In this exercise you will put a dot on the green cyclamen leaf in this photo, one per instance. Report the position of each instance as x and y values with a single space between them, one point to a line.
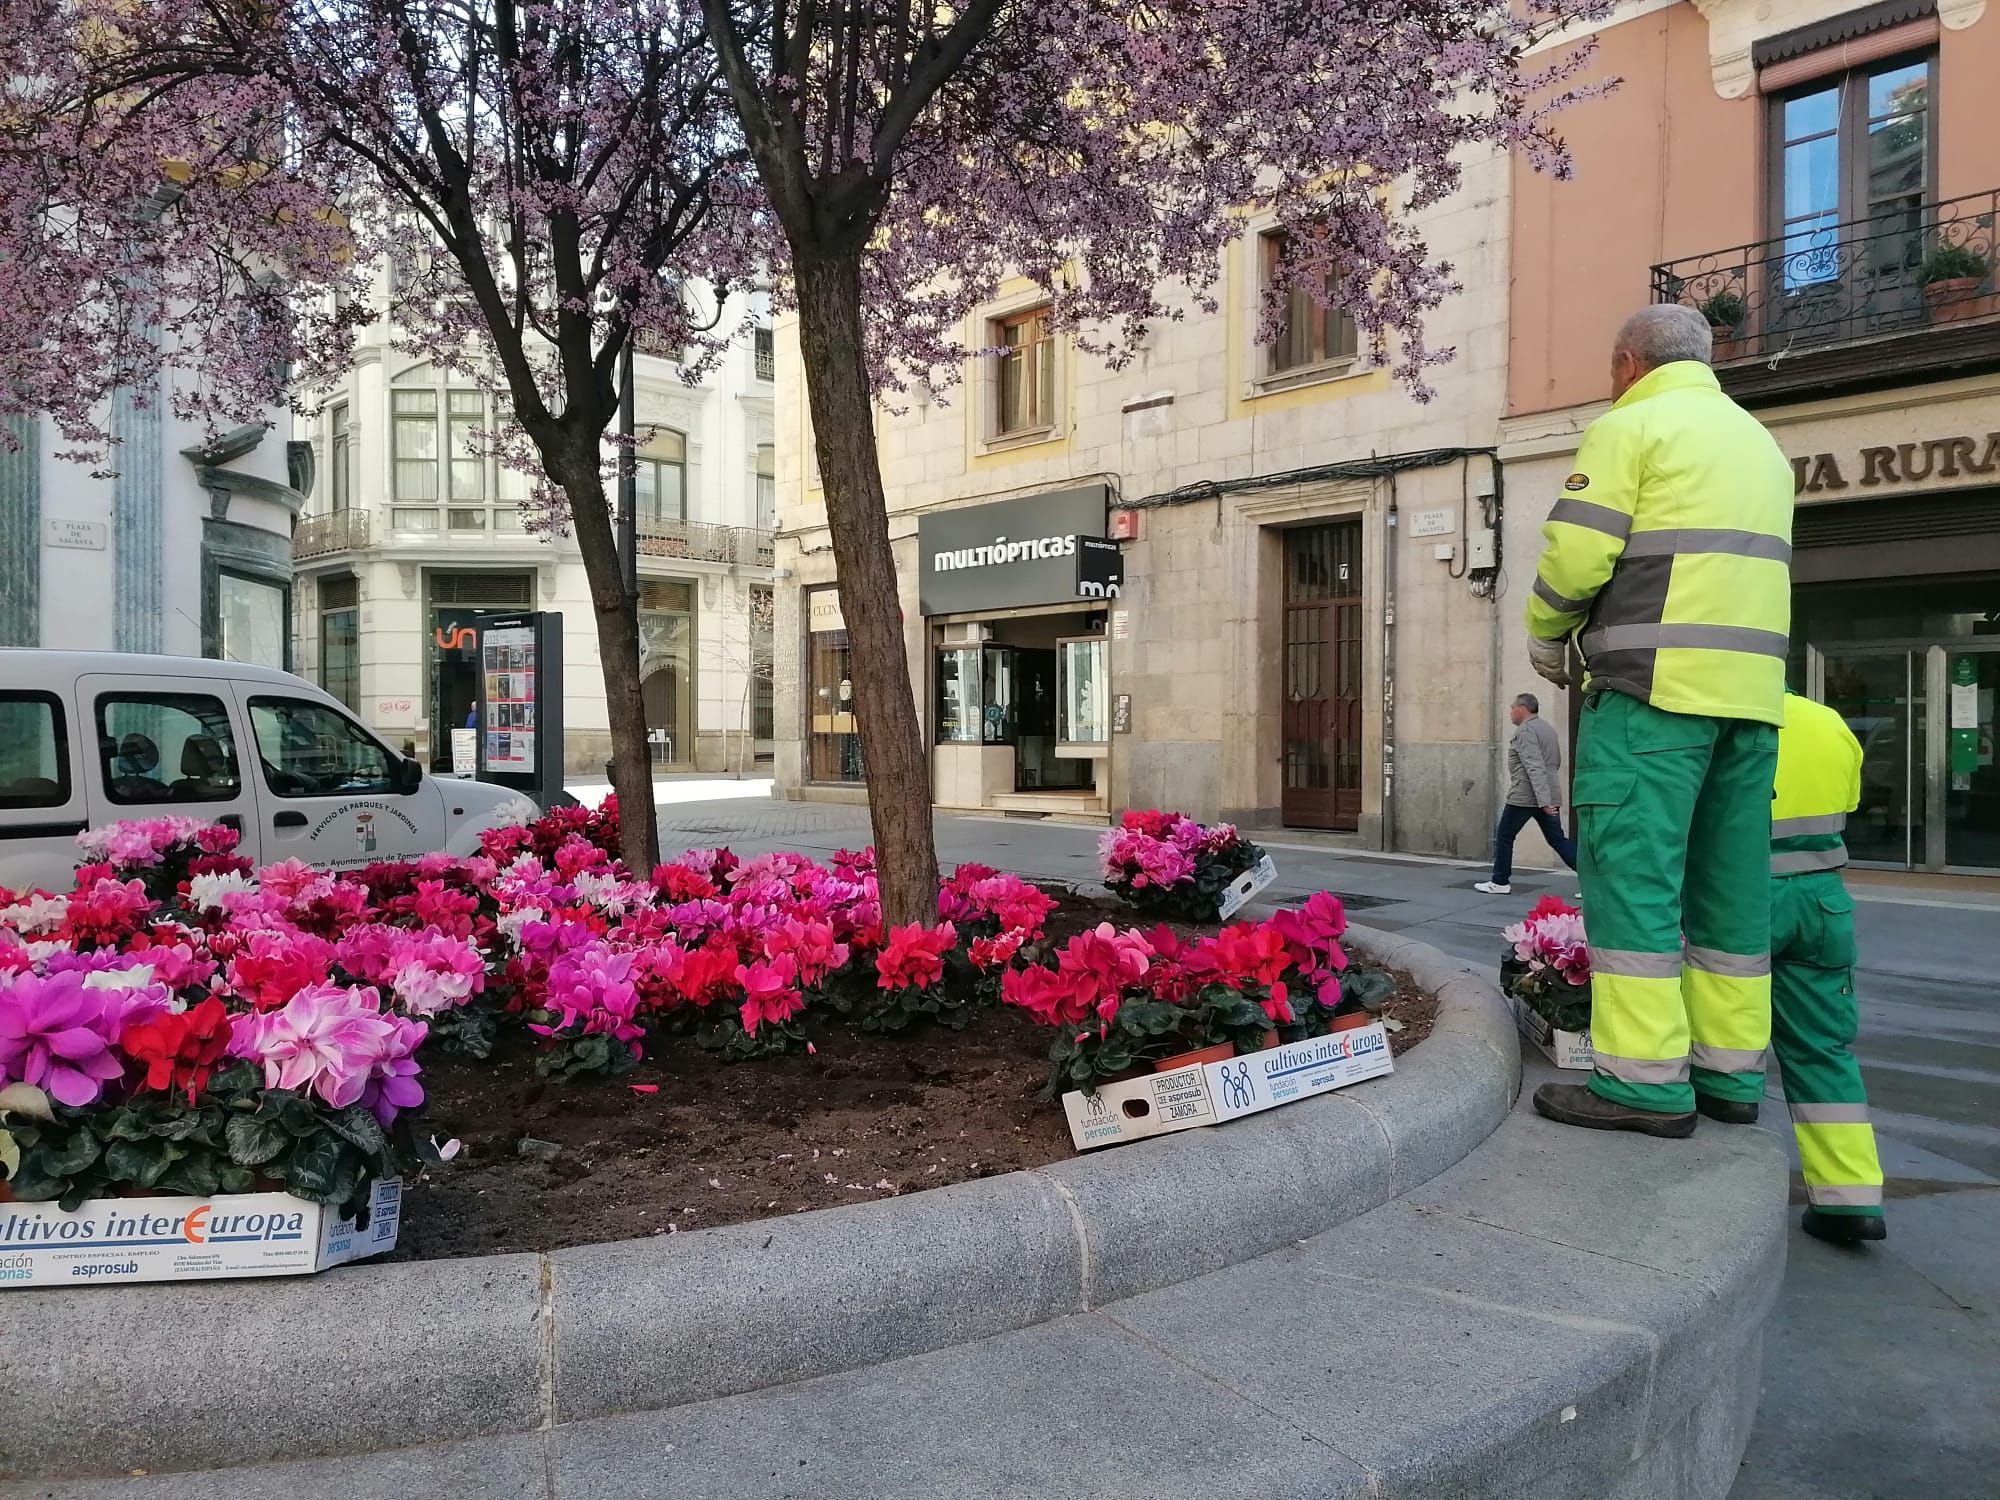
254 1140
139 1163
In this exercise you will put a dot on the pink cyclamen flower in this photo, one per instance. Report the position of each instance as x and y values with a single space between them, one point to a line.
326 1039
432 972
770 992
290 879
914 958
59 1034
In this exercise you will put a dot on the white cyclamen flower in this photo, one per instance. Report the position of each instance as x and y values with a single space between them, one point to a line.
207 891
517 812
510 923
34 915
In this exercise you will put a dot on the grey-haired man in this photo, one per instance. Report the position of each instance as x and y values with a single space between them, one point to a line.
1533 793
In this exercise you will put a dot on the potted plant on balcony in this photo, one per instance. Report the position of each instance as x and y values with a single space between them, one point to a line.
1725 311
1952 276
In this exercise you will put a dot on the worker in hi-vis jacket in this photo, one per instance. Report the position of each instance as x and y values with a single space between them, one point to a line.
1668 560
1813 1010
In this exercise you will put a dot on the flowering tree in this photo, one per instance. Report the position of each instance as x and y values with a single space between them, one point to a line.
542 175
914 154
218 184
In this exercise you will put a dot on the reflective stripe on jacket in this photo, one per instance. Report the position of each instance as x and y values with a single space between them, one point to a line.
1819 784
1671 549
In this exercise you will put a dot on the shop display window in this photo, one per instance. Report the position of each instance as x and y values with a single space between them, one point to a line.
1083 706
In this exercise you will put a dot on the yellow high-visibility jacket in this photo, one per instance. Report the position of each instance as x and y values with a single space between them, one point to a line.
1671 548
1819 784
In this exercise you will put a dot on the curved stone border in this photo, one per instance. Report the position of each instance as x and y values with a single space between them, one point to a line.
366 1358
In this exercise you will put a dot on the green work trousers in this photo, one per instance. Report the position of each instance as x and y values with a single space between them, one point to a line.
1813 1021
1674 821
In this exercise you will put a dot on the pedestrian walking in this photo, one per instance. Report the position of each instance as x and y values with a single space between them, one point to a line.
1668 558
1813 1010
1534 793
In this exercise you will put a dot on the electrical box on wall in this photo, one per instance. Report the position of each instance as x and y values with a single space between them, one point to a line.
1479 549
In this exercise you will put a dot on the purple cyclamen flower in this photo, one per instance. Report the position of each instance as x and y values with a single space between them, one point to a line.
58 1034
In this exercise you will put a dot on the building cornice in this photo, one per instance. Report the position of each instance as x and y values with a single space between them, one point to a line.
1736 26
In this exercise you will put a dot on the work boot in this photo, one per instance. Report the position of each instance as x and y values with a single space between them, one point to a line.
1843 1229
1727 1111
1575 1104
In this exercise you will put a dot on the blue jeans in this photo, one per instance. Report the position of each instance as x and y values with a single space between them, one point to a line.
1512 820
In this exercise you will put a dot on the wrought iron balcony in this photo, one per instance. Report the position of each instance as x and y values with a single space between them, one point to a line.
1906 294
699 541
320 536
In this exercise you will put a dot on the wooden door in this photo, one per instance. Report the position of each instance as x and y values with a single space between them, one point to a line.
1322 677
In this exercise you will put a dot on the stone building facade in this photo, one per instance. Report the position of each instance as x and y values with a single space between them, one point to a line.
1289 614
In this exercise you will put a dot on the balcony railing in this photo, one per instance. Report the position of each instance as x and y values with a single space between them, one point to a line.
1918 267
702 542
342 531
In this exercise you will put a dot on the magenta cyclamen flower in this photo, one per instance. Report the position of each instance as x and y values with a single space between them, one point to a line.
326 1039
598 986
58 1034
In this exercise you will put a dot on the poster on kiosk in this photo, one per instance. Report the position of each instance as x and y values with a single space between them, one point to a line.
521 702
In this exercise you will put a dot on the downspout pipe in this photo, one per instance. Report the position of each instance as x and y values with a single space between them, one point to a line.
1389 529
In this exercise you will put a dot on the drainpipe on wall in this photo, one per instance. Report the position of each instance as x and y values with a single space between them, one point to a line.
1496 776
1389 671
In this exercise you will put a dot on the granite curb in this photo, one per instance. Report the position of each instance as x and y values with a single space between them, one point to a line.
1560 1316
104 1381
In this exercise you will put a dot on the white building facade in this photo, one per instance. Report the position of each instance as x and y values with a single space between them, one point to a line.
412 532
182 545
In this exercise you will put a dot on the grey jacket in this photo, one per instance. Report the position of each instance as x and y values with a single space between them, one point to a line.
1533 759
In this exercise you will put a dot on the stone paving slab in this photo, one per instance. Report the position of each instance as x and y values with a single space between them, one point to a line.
1878 1386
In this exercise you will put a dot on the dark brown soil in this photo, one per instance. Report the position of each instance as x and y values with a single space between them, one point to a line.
863 1117
717 1143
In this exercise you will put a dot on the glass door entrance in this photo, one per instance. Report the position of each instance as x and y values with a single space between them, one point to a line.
1972 776
1881 696
1930 785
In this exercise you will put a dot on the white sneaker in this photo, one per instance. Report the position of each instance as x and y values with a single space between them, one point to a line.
1493 888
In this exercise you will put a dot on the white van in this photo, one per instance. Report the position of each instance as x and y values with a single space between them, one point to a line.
89 738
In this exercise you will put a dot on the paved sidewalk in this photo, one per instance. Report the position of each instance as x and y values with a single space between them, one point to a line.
1882 1370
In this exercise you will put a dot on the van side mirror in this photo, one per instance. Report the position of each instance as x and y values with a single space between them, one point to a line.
409 775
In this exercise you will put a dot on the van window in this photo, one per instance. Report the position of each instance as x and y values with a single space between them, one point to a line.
166 747
34 751
309 750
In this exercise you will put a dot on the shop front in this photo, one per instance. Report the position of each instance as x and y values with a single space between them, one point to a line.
1896 623
1015 597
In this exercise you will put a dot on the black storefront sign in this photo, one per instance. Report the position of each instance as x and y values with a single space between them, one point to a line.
1100 568
1041 549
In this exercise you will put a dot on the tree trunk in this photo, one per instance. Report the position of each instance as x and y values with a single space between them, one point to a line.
892 742
617 618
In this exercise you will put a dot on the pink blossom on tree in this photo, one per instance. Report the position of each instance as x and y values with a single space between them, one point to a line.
546 179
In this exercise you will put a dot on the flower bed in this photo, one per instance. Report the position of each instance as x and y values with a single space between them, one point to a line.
1165 864
183 1024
